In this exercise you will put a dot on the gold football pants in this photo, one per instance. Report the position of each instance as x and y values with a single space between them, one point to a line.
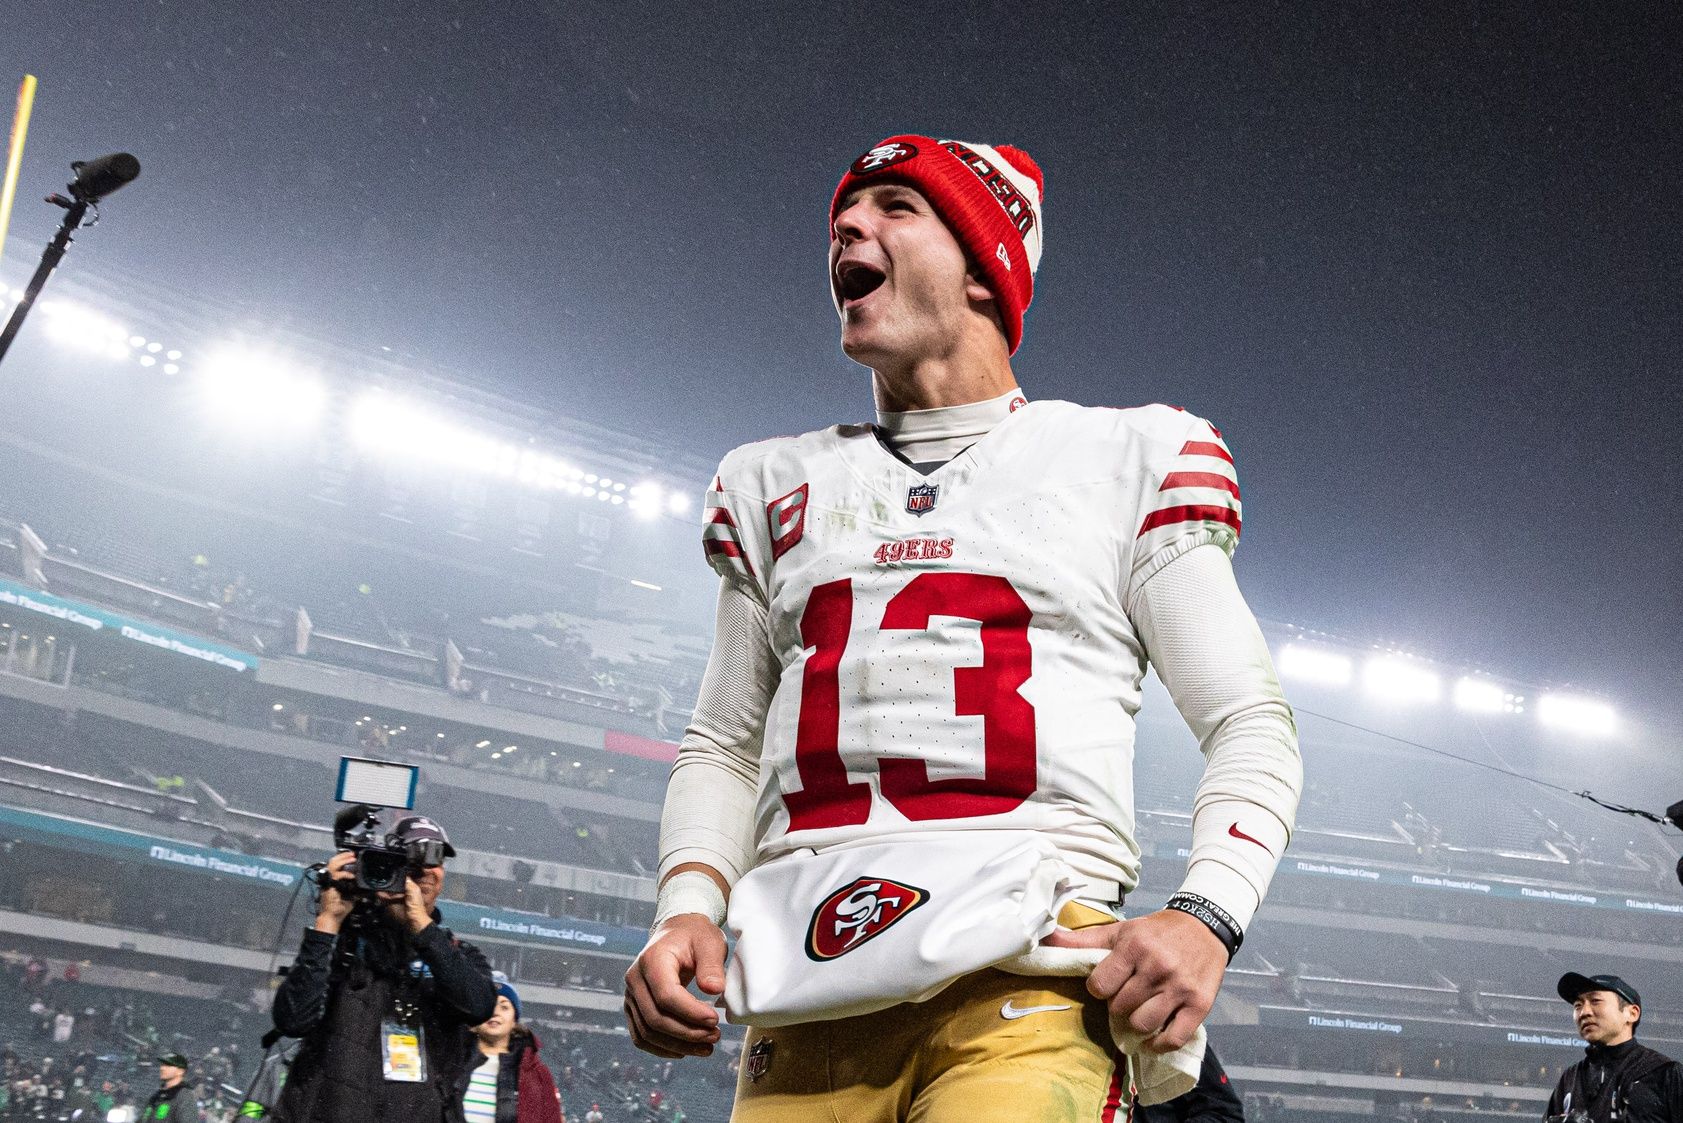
991 1048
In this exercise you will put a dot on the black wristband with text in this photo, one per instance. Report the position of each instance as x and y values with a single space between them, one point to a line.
1214 917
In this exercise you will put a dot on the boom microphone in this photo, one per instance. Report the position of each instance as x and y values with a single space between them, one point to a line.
102 175
94 180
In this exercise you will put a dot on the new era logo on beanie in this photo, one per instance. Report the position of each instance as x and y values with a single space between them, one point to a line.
988 195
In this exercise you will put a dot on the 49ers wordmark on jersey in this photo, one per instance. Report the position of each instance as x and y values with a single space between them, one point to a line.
859 911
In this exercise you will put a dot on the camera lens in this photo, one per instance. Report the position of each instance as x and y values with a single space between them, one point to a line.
381 871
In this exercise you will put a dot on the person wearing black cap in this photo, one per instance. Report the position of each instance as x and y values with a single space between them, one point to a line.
380 993
1617 1079
173 1101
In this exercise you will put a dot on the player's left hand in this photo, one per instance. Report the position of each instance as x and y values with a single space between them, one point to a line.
1161 976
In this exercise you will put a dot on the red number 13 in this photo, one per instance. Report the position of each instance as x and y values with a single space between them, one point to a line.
827 798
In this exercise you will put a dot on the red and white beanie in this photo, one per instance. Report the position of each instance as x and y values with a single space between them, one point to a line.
988 195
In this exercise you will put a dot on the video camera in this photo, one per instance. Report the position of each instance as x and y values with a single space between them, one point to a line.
383 861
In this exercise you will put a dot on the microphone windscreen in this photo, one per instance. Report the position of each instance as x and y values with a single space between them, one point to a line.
102 175
349 818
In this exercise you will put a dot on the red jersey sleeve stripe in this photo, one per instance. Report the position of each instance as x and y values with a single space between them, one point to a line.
1199 479
1206 448
722 516
714 547
1168 516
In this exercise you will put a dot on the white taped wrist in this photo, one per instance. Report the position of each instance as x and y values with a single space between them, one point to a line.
690 891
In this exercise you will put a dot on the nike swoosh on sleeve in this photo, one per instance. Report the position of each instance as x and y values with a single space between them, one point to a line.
1237 833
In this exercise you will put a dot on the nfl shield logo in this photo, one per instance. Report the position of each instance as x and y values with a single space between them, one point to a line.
920 499
759 1058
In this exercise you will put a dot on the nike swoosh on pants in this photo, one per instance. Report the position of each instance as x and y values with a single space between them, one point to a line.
1011 1013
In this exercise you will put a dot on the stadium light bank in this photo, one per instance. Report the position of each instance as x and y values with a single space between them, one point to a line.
396 427
254 386
1397 680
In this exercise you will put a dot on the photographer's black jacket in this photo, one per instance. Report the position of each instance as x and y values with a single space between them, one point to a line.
1628 1082
337 994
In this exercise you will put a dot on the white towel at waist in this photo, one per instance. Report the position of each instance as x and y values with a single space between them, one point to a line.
1157 1077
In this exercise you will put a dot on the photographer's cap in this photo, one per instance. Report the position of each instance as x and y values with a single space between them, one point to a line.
1573 984
419 828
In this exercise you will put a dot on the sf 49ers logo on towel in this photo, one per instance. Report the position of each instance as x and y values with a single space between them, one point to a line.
884 156
859 911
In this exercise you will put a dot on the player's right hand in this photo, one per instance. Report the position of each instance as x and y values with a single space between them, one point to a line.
664 1017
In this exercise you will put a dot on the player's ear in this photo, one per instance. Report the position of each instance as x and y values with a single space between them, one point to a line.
981 300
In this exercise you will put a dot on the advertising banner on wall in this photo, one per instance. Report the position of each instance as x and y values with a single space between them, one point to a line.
470 921
1370 1027
78 615
1460 884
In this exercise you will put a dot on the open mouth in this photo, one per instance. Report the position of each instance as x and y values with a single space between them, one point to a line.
855 280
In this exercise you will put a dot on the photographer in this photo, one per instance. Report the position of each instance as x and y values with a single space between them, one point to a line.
1617 1079
380 993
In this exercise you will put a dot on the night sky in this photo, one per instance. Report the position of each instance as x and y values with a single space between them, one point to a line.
1421 263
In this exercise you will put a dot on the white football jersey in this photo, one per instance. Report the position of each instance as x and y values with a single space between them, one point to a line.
956 649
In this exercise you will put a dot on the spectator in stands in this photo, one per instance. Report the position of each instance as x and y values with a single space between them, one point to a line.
506 1081
174 1100
1617 1079
380 993
1210 1101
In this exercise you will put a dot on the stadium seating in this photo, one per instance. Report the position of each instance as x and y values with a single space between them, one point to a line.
1366 947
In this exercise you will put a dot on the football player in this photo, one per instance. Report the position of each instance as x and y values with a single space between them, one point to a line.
942 622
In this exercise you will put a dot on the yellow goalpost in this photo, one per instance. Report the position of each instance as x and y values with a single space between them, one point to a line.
14 154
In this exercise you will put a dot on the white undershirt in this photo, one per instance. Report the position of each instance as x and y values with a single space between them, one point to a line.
928 438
